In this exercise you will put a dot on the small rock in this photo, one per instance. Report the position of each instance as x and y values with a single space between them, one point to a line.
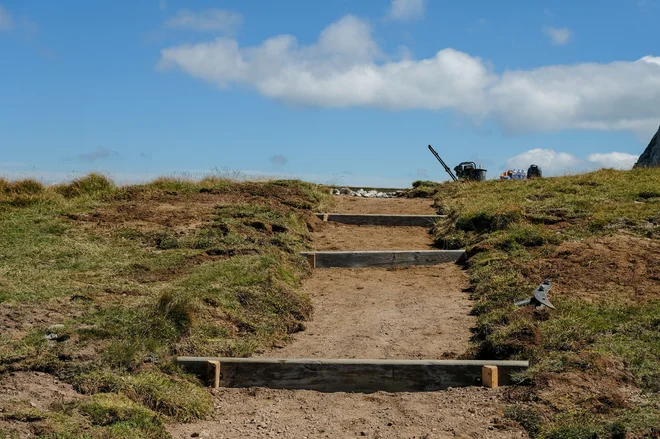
194 435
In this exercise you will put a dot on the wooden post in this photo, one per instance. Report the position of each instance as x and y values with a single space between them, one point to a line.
311 258
213 373
325 217
489 377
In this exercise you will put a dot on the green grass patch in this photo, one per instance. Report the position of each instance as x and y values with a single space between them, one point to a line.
506 227
129 298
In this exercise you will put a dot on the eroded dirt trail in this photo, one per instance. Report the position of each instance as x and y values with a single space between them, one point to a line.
405 313
385 206
262 413
332 236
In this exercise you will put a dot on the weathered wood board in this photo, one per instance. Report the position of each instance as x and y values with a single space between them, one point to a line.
380 220
350 375
382 258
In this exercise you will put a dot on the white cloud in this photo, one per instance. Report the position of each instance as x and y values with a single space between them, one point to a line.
406 9
346 68
557 163
209 20
651 59
549 160
558 35
6 22
615 160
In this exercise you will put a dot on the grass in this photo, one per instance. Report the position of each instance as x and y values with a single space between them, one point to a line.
100 416
513 232
423 189
130 286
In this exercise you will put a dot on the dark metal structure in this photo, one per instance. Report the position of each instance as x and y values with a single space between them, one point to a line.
469 171
540 297
444 165
534 171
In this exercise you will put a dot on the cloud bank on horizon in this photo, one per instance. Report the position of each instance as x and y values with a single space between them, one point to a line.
346 68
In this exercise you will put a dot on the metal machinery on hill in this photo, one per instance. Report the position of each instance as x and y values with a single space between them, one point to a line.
464 170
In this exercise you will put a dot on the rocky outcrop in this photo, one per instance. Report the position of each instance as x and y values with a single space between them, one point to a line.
651 155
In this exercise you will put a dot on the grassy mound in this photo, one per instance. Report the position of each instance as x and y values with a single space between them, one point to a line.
597 236
132 277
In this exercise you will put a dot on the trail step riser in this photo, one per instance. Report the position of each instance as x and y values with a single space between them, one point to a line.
392 258
351 375
381 220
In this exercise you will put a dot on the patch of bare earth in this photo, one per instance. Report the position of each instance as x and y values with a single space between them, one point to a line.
261 413
622 266
385 206
17 319
333 236
30 390
404 313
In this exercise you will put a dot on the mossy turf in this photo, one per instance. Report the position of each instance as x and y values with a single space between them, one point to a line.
128 289
507 228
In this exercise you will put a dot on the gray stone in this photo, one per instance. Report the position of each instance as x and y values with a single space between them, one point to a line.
651 155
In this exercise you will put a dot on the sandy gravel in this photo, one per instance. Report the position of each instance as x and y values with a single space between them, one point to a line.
411 206
334 236
405 313
263 413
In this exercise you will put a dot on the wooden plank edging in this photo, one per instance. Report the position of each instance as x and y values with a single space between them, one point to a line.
381 220
382 258
350 375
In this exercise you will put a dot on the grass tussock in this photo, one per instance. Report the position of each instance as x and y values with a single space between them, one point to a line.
132 284
518 232
423 189
91 184
99 416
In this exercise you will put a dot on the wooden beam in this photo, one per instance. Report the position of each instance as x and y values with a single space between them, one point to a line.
381 220
311 258
489 376
351 375
380 258
213 373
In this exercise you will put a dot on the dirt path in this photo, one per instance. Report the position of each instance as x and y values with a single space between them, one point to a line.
262 413
413 313
333 236
409 313
411 206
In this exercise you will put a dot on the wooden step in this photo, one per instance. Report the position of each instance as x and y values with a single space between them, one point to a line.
381 220
347 375
381 258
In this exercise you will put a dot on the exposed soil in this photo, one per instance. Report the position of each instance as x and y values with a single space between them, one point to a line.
406 313
621 266
147 212
17 319
410 206
455 413
334 236
30 390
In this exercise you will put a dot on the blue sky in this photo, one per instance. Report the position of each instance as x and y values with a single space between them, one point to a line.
336 91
